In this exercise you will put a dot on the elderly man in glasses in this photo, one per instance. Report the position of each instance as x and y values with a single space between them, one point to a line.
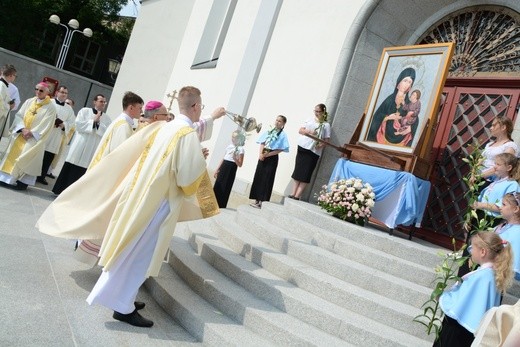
22 162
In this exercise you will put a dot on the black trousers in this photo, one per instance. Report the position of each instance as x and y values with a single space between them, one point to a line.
48 157
69 174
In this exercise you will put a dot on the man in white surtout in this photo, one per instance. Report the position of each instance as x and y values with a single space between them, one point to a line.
121 128
171 168
7 77
91 124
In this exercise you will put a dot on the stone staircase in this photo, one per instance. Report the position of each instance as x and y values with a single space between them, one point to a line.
292 275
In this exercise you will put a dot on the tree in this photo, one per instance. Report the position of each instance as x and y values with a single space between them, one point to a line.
25 27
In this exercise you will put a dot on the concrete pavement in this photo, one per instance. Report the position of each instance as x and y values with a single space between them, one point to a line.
43 288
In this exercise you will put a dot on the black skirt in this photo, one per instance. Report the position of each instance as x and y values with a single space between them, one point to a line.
224 182
263 181
304 165
69 174
453 335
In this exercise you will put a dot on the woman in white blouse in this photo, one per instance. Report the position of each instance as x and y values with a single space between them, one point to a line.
309 150
501 130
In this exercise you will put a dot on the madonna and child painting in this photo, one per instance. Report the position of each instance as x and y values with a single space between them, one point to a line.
405 95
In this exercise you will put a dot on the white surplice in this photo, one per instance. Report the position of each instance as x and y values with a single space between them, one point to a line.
57 135
87 137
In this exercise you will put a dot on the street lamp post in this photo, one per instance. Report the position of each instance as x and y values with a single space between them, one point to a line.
113 68
74 24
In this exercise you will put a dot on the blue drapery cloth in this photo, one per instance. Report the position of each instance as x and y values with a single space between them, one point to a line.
411 206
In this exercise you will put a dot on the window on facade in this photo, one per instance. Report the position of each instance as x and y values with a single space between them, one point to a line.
487 40
214 34
85 56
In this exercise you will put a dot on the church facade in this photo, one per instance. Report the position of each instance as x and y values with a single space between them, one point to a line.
263 58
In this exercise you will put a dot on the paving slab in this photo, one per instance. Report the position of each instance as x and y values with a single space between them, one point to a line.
43 288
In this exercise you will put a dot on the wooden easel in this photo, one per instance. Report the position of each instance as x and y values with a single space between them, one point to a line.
416 163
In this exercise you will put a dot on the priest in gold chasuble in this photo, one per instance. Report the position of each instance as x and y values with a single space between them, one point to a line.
22 162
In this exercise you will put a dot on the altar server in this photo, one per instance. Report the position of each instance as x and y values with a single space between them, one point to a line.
464 305
91 124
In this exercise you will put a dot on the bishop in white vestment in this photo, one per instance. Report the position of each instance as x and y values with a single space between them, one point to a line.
142 225
169 170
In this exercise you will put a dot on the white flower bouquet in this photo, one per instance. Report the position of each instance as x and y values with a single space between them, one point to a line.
348 199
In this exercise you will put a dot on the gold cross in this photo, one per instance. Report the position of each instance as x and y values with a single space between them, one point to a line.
171 97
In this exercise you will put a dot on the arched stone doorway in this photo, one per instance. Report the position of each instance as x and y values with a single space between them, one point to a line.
487 45
483 83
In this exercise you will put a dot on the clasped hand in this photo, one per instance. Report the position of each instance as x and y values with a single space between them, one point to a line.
26 134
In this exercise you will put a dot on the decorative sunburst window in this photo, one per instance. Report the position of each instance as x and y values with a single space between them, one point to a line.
487 41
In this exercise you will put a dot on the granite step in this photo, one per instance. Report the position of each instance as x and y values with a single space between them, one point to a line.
238 303
297 302
202 320
416 251
381 308
361 275
349 248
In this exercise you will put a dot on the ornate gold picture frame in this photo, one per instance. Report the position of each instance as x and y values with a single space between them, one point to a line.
405 95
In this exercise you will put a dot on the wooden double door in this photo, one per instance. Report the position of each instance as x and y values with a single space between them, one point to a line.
468 107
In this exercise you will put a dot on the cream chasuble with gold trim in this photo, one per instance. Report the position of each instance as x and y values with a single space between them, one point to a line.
26 156
83 210
170 169
117 132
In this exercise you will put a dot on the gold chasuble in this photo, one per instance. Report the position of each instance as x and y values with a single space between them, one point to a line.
106 146
26 156
170 169
86 208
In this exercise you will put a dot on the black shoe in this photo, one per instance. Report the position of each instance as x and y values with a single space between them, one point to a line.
42 180
19 186
50 175
257 204
139 305
133 318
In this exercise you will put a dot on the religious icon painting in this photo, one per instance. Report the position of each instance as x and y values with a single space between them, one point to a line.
405 96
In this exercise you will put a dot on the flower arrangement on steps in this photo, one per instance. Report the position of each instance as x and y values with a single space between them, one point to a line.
348 199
